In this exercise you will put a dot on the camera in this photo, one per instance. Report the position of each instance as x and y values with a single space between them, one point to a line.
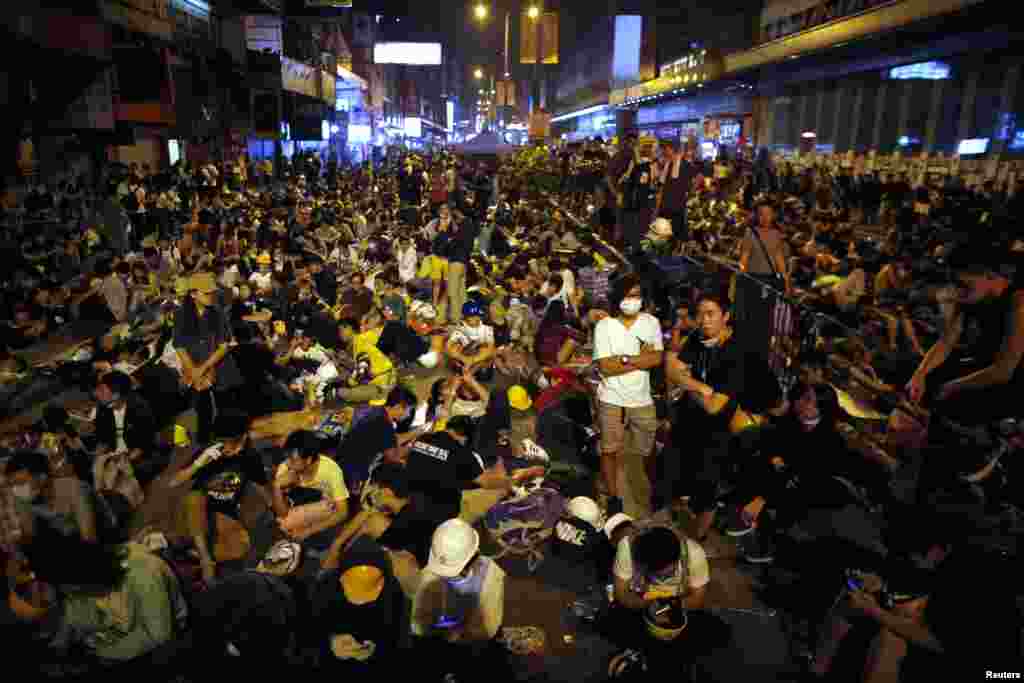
889 594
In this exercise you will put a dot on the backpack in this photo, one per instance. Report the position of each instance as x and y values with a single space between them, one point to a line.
521 526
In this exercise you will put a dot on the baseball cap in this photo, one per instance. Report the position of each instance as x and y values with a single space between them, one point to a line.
585 509
454 544
614 522
519 398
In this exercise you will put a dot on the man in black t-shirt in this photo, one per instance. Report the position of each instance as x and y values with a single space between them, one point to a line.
398 340
726 391
442 465
219 477
375 439
639 197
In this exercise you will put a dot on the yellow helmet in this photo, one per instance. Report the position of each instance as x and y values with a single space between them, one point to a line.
362 584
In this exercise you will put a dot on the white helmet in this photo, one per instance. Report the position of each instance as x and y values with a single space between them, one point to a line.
585 509
454 544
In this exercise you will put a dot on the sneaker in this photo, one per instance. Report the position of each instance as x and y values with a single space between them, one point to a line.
758 549
738 522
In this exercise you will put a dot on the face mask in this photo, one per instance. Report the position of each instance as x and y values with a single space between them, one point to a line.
23 492
631 306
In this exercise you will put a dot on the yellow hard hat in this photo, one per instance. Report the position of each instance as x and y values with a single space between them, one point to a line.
518 398
181 437
362 584
263 259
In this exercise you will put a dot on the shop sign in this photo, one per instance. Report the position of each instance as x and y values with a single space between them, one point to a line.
300 78
540 124
814 14
729 131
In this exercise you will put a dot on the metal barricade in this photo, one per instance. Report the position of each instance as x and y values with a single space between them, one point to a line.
766 321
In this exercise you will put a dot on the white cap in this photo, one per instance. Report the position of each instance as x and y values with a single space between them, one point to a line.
454 544
614 522
585 509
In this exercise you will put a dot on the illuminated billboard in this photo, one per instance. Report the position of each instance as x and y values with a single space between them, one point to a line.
416 54
922 71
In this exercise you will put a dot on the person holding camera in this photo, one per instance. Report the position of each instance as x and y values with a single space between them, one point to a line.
941 612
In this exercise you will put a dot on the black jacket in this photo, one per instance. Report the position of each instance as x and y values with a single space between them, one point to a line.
139 424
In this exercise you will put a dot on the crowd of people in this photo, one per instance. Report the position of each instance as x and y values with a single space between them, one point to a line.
363 394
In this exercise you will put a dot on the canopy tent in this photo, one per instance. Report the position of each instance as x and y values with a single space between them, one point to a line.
486 143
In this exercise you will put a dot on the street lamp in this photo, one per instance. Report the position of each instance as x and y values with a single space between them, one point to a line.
481 11
533 12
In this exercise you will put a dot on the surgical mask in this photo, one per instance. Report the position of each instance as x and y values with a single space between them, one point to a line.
23 492
631 306
811 423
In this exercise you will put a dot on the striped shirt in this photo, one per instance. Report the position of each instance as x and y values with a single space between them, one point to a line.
594 283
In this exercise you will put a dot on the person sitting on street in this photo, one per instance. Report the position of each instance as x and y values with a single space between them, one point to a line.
310 496
472 343
219 477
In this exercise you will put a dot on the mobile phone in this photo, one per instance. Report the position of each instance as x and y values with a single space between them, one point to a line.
447 621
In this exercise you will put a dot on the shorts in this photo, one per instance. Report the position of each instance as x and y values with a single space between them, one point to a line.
616 421
438 268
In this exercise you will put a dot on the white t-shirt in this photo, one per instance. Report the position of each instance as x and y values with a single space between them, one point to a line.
406 263
612 339
482 335
261 280
698 571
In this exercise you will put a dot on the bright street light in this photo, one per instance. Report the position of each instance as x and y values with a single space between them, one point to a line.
481 11
478 74
533 13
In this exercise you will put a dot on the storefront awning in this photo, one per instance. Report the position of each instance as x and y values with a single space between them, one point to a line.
840 31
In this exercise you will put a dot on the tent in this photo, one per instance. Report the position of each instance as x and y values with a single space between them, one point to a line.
485 144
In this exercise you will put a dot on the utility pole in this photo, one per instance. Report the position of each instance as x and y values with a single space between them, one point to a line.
538 34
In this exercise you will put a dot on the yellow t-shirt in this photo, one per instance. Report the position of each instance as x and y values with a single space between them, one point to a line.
328 479
381 367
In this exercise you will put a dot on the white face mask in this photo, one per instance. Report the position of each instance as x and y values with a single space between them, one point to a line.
23 492
631 306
